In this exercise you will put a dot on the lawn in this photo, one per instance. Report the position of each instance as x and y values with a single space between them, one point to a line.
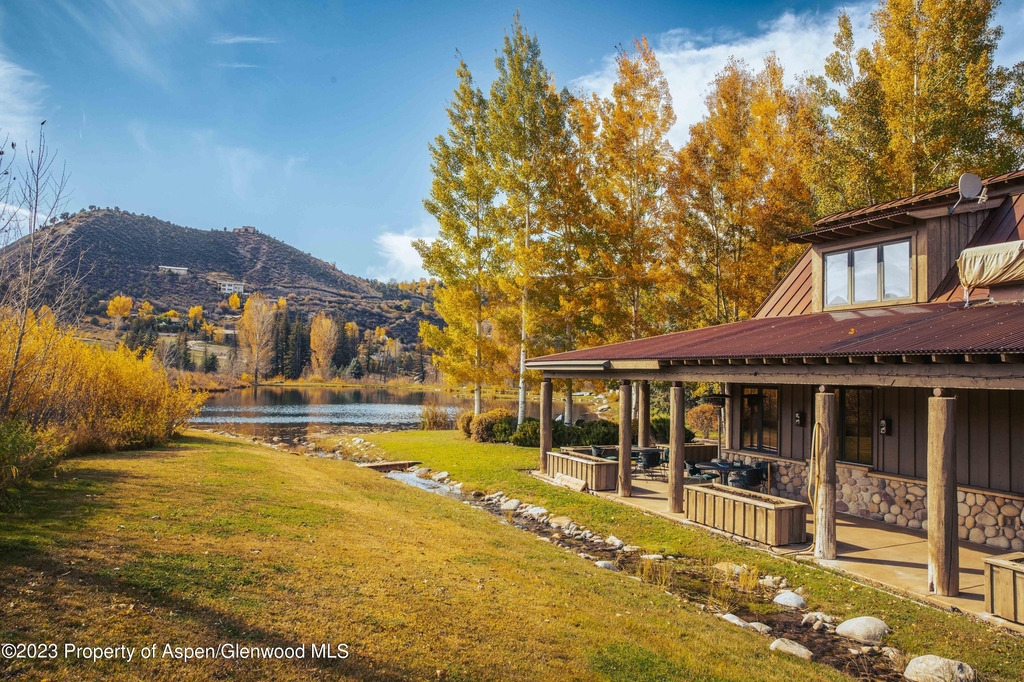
918 629
214 540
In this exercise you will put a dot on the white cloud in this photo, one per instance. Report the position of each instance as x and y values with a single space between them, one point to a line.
237 40
401 261
236 65
241 165
21 94
138 132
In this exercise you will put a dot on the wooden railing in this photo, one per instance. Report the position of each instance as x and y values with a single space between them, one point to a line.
770 520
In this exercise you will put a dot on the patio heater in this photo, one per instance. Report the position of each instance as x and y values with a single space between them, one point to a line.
718 400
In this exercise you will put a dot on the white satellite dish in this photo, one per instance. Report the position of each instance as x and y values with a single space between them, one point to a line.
970 186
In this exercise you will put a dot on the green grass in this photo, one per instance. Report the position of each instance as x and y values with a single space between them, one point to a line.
918 629
216 540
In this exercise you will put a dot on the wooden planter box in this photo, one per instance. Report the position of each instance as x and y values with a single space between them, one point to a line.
770 520
1004 586
600 474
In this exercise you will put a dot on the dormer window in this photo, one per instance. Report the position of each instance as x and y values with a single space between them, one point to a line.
870 274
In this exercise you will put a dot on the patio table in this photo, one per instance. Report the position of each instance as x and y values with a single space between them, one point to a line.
723 469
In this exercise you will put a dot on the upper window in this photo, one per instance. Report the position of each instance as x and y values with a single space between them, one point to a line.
868 275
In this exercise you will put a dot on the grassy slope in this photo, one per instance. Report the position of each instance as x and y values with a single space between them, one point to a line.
917 629
161 546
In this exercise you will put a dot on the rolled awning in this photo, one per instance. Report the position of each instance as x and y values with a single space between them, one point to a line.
985 266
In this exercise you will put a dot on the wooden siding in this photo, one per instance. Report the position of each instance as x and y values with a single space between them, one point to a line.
770 520
990 433
793 294
599 474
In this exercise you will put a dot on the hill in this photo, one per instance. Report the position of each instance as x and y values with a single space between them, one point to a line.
121 253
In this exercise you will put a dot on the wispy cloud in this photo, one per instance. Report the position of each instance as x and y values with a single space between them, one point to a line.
21 94
241 40
401 260
236 65
241 166
138 132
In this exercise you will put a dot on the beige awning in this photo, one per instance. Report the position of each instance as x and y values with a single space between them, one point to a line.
985 266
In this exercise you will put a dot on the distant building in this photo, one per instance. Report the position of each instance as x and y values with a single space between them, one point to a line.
245 229
231 287
172 268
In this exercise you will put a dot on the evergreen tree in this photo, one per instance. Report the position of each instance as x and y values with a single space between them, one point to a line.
355 369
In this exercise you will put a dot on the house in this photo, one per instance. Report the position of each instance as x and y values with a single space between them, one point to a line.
231 287
866 372
244 229
173 269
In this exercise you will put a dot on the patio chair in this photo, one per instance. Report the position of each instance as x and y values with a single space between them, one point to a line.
650 464
748 480
693 472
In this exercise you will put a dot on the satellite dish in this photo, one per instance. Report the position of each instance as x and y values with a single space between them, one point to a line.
970 186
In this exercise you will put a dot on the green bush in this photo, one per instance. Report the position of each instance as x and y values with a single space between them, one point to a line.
660 427
463 422
599 432
504 429
22 453
527 435
481 429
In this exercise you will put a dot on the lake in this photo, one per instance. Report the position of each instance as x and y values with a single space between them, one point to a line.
290 412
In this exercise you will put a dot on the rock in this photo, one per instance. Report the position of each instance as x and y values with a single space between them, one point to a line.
788 646
791 600
536 512
421 472
439 476
559 521
736 620
760 627
863 629
728 568
814 617
891 653
631 548
652 557
511 505
937 669
614 542
606 564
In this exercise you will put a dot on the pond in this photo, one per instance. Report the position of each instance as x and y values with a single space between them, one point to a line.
290 412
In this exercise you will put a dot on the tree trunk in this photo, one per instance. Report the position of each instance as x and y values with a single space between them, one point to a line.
567 413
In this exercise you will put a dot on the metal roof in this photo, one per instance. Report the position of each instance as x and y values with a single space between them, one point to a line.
907 330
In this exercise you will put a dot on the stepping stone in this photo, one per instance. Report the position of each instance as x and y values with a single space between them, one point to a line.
788 646
937 669
864 629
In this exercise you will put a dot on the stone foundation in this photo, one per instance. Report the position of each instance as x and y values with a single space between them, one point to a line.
987 518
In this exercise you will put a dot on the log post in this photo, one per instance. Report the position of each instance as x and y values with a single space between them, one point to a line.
545 424
824 473
625 439
676 447
644 415
943 544
725 428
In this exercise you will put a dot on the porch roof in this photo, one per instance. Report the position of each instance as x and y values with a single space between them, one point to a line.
919 334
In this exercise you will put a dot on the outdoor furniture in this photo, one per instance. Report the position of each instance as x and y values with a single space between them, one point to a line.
693 472
650 462
749 479
1004 586
723 468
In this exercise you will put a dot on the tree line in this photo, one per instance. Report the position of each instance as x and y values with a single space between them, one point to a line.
567 219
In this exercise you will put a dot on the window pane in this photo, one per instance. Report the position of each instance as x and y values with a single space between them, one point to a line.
770 419
858 419
865 275
896 261
837 284
749 419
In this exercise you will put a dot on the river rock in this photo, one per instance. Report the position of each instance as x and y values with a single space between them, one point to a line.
607 565
788 646
937 669
614 542
439 476
760 627
728 568
652 557
511 505
791 600
421 472
736 620
863 629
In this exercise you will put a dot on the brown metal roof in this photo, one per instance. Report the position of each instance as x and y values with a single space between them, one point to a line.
920 329
897 207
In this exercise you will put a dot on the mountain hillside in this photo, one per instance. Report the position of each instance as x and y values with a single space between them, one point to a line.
121 253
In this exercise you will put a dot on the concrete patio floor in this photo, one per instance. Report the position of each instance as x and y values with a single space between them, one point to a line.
880 553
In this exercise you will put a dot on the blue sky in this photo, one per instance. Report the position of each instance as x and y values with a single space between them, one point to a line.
310 120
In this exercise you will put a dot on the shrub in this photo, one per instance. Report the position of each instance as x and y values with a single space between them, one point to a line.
504 429
704 418
464 420
599 432
661 426
436 418
527 435
481 429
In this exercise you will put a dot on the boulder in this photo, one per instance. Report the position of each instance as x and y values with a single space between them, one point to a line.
760 627
791 600
536 512
614 542
511 505
421 472
788 646
863 629
736 620
652 557
607 565
937 669
439 476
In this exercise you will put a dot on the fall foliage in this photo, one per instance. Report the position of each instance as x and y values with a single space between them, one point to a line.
323 338
119 308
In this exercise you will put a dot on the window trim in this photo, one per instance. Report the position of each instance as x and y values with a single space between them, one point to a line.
760 419
879 247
